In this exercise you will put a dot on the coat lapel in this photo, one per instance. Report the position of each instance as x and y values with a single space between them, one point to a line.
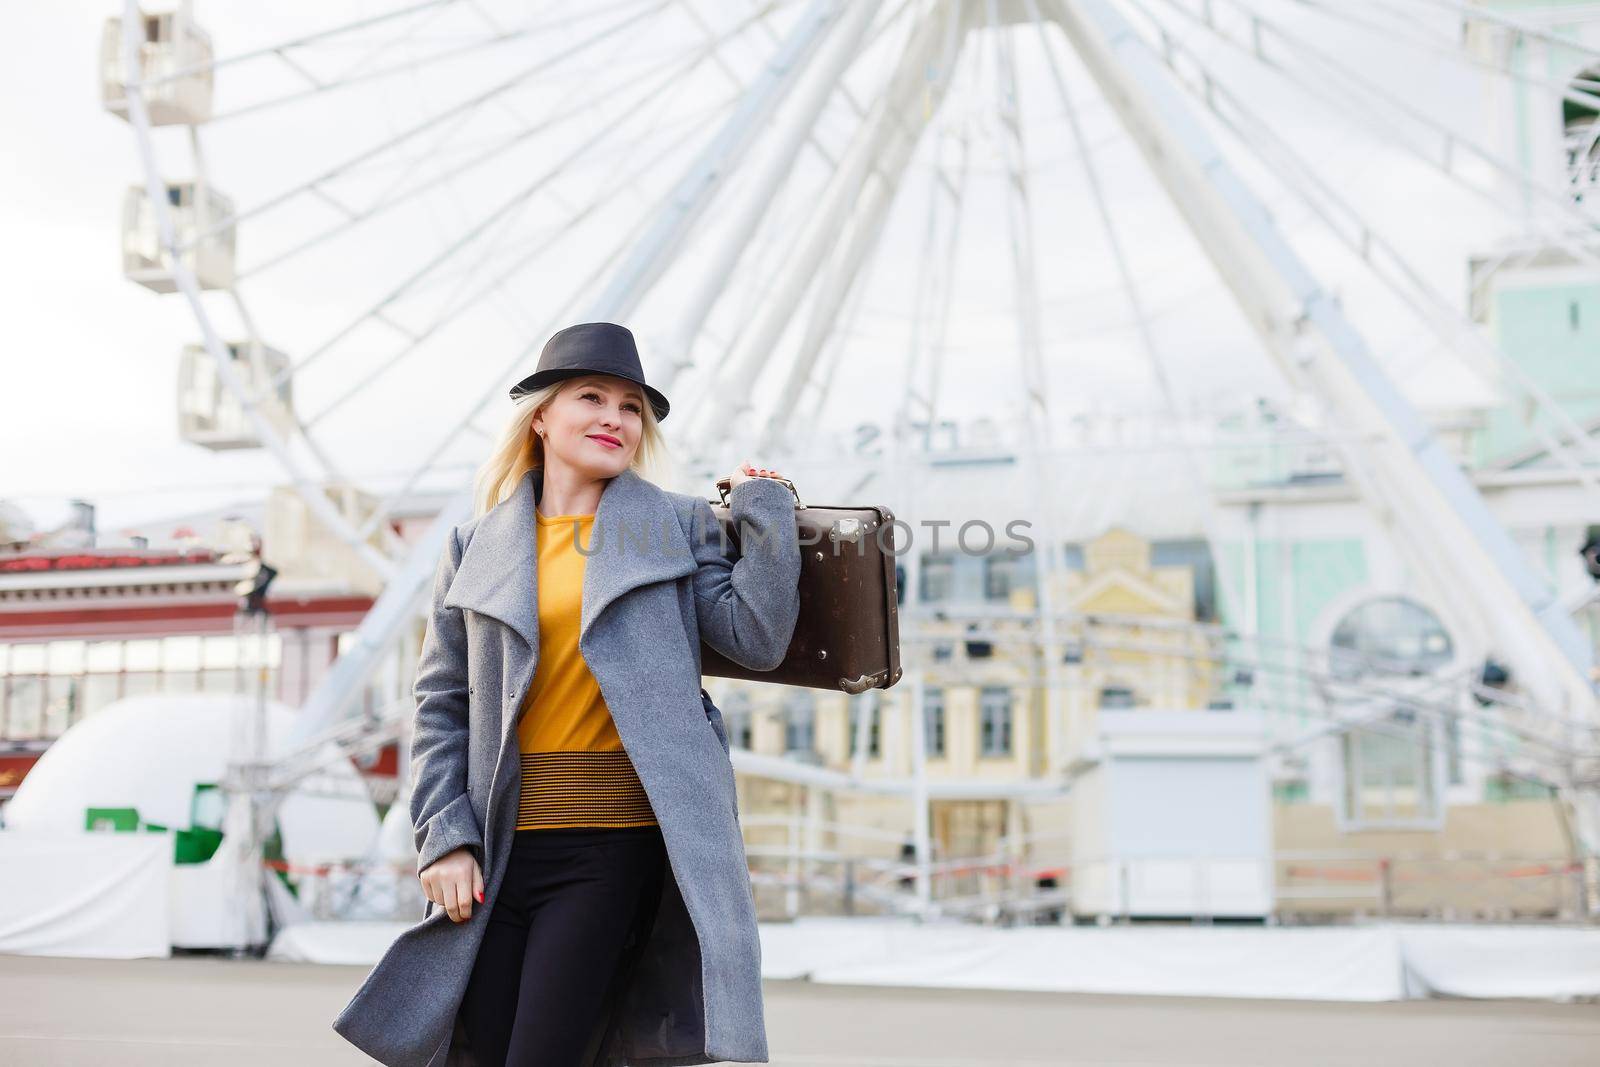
637 540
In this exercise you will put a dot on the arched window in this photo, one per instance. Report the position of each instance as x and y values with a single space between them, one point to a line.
1391 635
1391 764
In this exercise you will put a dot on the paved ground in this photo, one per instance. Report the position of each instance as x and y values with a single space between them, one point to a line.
204 1011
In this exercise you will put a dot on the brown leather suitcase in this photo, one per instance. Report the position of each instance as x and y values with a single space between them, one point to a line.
847 636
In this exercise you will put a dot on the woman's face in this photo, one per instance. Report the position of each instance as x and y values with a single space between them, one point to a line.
586 417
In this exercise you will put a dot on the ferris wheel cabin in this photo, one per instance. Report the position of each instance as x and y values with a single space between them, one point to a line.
174 66
203 228
210 415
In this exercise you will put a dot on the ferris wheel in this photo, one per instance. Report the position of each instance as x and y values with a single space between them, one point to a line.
376 212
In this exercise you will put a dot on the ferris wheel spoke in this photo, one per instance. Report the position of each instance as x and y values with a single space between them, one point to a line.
1389 102
392 199
323 86
525 129
568 110
1197 481
1381 120
1403 26
1401 277
559 115
540 245
492 394
648 248
924 298
359 68
850 191
758 212
458 110
515 201
842 293
1510 22
211 66
939 343
1019 218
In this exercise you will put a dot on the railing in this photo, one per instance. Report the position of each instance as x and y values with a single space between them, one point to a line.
1024 881
1309 888
381 892
1454 887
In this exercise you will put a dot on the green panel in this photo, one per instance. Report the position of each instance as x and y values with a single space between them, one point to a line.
120 820
1498 790
1291 792
1321 570
1232 573
197 845
1269 601
1324 571
1552 333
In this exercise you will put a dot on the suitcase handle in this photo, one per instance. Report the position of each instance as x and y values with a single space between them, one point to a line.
725 486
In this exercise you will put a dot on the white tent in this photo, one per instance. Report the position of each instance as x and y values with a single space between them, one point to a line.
129 897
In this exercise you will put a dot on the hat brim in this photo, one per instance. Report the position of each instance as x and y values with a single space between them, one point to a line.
539 379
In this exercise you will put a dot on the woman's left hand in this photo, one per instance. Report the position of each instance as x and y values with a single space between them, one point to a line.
747 471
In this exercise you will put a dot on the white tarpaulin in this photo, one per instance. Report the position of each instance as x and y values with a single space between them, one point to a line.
1220 961
1368 963
1501 961
334 942
101 894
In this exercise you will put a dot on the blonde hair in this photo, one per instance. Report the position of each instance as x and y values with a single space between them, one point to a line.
517 449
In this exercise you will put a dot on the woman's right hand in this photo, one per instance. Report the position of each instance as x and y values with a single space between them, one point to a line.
748 471
453 881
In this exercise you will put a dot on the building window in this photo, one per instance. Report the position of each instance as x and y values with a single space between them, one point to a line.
1389 636
1390 773
1116 696
861 704
994 711
737 719
1195 555
933 718
799 722
936 581
1005 571
46 687
24 707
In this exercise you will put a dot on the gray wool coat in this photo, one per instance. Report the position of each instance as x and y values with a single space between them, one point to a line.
659 577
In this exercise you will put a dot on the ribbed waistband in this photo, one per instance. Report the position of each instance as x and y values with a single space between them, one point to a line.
582 790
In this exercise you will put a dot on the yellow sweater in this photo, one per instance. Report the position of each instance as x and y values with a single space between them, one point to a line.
575 771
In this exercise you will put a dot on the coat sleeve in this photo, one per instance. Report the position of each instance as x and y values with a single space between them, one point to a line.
747 596
441 811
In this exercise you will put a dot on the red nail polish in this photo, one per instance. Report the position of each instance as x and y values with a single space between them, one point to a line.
480 896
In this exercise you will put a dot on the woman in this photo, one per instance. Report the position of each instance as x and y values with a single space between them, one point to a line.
574 806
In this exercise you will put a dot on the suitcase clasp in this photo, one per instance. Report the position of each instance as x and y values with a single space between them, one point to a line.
846 530
725 487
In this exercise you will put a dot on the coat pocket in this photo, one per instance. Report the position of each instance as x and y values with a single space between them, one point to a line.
714 717
720 728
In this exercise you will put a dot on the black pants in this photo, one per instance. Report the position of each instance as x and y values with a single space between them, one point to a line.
573 913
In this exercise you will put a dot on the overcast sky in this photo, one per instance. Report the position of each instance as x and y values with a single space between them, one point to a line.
88 405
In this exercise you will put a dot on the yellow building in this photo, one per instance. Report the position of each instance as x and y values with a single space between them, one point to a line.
1128 641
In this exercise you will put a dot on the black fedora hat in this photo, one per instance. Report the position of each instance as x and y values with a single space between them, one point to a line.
591 348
